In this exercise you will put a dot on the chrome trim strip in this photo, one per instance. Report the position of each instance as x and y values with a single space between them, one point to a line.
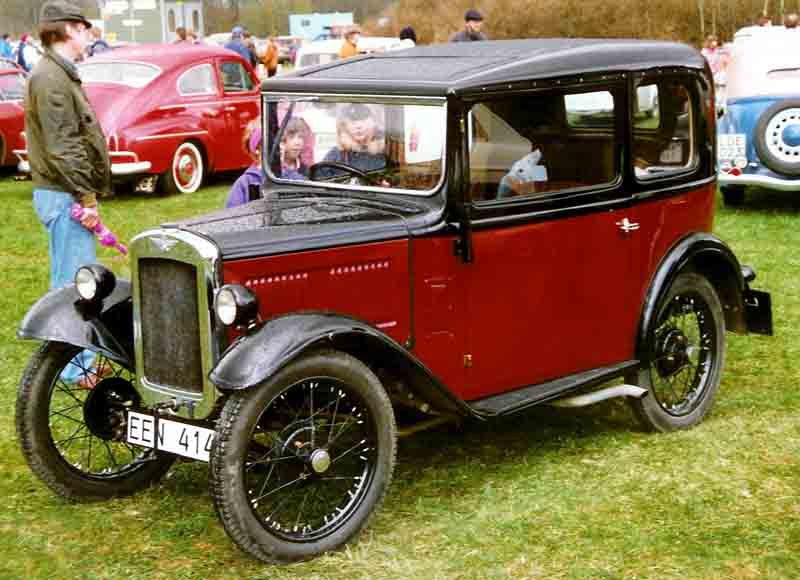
189 248
759 180
170 135
207 103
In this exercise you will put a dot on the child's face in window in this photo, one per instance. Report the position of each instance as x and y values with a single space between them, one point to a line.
293 145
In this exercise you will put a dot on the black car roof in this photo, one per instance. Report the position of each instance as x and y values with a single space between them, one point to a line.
440 69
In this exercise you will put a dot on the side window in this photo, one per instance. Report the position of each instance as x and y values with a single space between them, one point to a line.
197 81
539 145
235 78
663 129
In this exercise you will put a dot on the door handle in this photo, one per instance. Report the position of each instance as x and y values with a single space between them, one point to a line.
230 109
627 226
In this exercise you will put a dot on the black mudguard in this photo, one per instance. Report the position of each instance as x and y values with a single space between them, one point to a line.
707 255
253 358
61 316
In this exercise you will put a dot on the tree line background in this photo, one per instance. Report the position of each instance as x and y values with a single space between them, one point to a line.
684 20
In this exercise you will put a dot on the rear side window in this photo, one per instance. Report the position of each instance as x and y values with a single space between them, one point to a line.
663 129
235 77
197 81
542 144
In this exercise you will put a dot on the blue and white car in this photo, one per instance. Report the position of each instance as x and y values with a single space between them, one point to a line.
758 134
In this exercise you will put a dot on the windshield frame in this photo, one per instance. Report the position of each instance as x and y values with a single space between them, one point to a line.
159 71
375 99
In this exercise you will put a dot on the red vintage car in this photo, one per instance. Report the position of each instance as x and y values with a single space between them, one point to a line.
172 113
12 113
474 229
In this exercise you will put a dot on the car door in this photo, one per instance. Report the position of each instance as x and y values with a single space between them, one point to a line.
240 102
548 293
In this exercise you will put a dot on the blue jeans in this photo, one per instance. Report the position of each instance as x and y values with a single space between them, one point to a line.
71 246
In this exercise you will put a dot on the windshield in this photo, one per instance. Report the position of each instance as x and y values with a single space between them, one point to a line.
342 143
12 87
133 74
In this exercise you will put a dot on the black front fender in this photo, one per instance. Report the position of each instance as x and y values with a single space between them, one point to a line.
60 316
254 358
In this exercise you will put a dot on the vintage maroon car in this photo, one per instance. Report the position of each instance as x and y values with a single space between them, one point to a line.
462 231
172 113
12 113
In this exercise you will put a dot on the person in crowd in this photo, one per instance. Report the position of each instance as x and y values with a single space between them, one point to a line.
712 52
250 43
360 141
473 20
270 58
764 20
253 175
5 47
791 20
236 45
191 37
27 54
408 37
350 43
98 44
67 153
180 35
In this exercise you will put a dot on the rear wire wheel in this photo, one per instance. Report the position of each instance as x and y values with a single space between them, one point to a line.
687 351
302 461
72 433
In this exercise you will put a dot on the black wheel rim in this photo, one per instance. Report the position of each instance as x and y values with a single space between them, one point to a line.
311 459
86 419
684 354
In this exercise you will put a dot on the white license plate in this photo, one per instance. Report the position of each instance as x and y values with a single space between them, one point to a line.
172 436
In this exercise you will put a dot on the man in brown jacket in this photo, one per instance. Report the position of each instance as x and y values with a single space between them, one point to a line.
66 148
67 154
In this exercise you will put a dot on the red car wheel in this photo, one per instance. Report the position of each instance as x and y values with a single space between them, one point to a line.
187 170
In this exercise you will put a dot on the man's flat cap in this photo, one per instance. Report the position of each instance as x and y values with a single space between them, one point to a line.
62 11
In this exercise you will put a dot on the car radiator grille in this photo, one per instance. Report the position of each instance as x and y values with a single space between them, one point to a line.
169 324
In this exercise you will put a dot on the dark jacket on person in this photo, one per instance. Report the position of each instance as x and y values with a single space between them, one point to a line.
467 36
66 147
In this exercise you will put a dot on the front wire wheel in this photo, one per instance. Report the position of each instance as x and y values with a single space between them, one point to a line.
72 430
687 351
302 461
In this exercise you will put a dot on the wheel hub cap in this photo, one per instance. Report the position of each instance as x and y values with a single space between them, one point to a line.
673 352
104 408
185 169
320 461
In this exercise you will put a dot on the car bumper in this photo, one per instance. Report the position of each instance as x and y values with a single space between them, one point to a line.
765 181
118 169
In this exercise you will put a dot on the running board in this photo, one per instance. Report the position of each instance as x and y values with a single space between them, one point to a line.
521 399
601 395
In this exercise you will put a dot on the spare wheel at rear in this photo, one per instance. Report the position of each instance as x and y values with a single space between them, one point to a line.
777 137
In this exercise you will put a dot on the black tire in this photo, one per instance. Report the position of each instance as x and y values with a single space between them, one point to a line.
186 171
687 352
733 195
274 441
771 147
60 425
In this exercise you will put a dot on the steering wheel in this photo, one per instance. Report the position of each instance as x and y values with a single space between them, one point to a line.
312 171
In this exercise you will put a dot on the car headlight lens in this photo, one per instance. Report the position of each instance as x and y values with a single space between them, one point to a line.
94 282
236 305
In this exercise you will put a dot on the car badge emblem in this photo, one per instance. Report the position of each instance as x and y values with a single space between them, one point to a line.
164 243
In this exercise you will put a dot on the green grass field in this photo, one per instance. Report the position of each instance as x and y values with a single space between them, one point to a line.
550 494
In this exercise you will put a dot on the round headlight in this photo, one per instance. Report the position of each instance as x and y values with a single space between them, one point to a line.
94 282
226 306
236 305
